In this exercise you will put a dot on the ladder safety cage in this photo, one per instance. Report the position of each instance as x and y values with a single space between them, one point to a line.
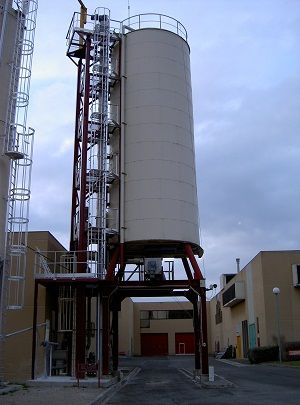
19 149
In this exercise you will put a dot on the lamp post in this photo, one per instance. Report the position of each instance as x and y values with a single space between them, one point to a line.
276 292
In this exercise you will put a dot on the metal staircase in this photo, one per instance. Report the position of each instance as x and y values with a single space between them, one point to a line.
94 167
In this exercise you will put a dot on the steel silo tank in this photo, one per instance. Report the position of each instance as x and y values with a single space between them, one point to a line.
161 207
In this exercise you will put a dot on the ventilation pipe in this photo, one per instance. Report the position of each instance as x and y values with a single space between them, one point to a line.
238 264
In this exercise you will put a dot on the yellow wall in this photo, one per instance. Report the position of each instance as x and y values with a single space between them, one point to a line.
17 348
264 272
170 326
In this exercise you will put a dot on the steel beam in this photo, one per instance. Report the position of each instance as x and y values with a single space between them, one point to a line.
73 244
189 252
187 268
82 243
112 265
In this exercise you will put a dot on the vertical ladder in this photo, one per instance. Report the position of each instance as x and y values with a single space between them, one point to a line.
19 148
99 91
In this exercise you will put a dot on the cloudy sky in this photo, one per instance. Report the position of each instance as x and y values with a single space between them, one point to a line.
245 57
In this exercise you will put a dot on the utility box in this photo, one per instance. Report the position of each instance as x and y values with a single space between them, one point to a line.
153 269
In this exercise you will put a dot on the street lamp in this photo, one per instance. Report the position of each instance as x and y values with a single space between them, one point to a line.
276 292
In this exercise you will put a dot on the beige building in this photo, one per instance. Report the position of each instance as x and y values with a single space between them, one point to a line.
18 323
156 328
243 313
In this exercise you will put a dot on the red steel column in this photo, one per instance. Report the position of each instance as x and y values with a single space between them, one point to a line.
112 264
187 268
189 252
203 321
76 155
105 334
82 243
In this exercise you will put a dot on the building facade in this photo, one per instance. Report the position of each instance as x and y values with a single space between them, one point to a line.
18 323
243 313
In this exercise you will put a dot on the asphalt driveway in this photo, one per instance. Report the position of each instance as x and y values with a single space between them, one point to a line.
168 380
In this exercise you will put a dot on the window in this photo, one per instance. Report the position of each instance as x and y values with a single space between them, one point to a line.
146 316
145 319
218 315
181 314
144 323
159 314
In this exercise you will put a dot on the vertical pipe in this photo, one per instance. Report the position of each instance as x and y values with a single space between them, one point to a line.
122 142
237 264
34 322
105 335
5 12
204 342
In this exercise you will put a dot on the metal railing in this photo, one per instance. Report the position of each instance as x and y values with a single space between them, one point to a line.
152 20
62 264
74 37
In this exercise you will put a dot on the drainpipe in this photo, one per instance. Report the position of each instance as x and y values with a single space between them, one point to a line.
122 143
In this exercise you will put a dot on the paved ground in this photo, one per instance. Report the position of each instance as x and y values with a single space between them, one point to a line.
161 382
50 396
169 380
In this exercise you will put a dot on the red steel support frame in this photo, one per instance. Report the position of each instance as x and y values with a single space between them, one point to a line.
203 324
189 252
82 242
75 199
187 268
105 333
112 264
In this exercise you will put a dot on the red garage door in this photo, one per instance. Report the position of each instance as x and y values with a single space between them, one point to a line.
184 343
154 344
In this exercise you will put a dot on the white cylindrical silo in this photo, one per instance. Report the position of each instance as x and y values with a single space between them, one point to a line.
157 192
160 197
